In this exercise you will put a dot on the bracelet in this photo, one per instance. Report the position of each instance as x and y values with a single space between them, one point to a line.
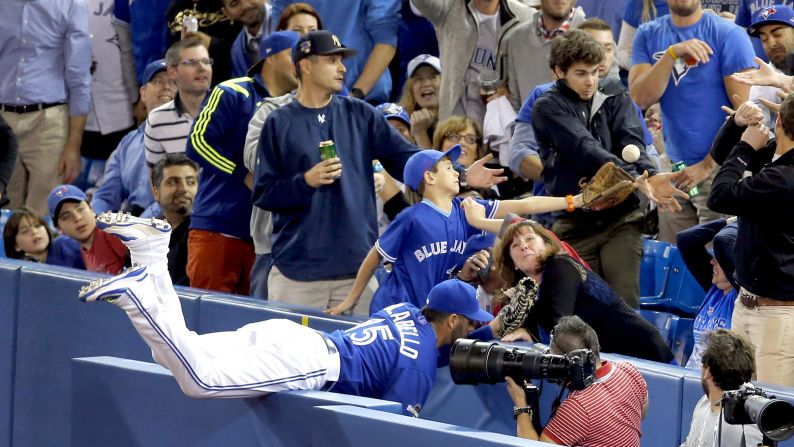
672 53
522 410
569 199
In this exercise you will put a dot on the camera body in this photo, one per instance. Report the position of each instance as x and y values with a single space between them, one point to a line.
751 405
473 362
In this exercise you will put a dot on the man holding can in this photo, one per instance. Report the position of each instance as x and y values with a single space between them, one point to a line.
324 217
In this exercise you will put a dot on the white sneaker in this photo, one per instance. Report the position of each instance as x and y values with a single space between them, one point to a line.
110 289
130 228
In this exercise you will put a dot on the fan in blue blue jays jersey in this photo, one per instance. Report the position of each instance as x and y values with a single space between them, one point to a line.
426 241
393 356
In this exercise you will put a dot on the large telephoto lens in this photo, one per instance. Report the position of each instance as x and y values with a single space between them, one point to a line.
774 417
473 362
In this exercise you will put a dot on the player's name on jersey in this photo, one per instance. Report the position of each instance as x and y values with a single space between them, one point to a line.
439 248
408 332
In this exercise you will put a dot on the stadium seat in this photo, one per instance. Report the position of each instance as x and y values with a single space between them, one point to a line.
665 282
682 341
653 269
666 323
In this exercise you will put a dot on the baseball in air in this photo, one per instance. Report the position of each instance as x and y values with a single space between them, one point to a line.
631 153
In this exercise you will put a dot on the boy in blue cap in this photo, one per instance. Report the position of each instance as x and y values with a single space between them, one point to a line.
426 241
73 216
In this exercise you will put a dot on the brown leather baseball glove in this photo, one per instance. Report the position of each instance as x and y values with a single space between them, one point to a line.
609 187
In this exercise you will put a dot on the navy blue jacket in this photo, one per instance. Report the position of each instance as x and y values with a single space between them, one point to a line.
217 141
324 233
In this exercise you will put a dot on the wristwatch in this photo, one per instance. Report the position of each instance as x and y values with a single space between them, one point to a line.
357 93
522 410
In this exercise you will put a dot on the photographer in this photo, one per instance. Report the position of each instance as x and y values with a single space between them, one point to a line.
607 413
728 362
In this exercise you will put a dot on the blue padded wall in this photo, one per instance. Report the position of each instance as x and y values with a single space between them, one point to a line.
237 311
53 327
118 402
9 292
362 427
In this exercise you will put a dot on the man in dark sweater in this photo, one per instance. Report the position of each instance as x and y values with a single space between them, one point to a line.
581 124
324 218
764 250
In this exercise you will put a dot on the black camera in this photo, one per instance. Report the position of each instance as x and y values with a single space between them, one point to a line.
472 362
750 405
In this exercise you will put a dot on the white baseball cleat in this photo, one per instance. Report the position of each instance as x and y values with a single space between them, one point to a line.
130 228
110 289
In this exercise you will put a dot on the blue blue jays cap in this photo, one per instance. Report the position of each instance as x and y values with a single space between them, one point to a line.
395 111
454 296
782 14
60 194
423 161
274 43
277 42
322 43
152 68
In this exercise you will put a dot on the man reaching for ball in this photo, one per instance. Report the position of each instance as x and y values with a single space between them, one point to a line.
580 125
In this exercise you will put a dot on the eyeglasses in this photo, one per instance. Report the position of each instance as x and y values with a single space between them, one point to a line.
193 63
456 137
159 82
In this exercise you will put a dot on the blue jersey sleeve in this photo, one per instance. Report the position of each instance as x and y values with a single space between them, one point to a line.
410 387
392 241
640 52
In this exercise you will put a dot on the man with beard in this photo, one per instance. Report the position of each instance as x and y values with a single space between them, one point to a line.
689 54
174 184
728 362
774 26
255 17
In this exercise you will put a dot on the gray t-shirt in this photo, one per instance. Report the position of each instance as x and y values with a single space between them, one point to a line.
705 423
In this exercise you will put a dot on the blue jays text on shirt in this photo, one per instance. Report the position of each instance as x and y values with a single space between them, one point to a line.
439 248
369 331
484 57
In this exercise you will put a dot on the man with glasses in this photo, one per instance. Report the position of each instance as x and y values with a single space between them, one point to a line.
168 126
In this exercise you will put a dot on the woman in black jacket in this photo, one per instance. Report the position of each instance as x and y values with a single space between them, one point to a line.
548 284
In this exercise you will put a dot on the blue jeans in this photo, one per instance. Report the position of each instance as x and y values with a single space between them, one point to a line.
259 275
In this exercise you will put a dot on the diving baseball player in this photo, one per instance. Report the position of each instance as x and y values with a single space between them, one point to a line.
392 356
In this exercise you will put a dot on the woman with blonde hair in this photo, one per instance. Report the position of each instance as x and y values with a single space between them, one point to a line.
420 97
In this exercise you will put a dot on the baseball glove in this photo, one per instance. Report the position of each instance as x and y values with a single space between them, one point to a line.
609 187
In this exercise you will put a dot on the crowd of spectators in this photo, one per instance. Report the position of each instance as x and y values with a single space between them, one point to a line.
308 152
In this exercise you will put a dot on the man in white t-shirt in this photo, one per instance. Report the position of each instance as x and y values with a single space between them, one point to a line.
728 362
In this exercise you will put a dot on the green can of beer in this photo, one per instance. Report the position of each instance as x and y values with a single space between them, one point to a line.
327 149
680 167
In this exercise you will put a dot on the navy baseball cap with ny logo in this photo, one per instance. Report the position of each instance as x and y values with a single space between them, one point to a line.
321 43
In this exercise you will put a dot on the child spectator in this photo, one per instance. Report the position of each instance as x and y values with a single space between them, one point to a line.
426 241
26 236
72 214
